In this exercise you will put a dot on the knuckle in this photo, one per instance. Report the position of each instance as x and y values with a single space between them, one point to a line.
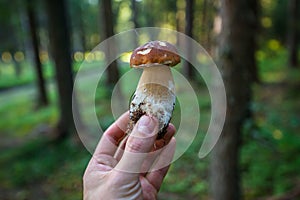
136 145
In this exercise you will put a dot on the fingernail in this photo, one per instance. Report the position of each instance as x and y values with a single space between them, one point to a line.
146 125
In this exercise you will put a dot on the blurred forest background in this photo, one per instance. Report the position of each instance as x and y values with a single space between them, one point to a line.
254 42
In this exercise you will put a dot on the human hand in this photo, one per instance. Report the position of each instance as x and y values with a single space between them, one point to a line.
134 173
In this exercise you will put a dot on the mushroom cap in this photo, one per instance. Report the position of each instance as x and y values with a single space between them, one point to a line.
154 52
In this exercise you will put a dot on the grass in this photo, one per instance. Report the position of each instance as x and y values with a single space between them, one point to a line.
54 168
27 76
274 140
39 169
10 79
20 114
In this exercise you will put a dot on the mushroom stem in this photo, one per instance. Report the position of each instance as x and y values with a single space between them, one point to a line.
157 74
155 96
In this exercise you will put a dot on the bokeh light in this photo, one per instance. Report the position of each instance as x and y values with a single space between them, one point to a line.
78 56
44 57
19 56
6 57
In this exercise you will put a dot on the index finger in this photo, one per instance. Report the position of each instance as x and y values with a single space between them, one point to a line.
162 165
109 141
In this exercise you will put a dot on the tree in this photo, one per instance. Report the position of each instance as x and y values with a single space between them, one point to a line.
204 23
189 19
78 26
43 100
108 22
134 17
180 6
253 27
235 61
60 50
11 31
135 13
293 32
205 13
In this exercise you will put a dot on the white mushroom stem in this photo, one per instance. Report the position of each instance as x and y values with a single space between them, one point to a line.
157 74
155 96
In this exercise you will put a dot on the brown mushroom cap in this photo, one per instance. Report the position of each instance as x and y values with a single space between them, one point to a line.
154 52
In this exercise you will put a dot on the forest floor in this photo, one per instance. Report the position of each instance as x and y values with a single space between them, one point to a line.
34 167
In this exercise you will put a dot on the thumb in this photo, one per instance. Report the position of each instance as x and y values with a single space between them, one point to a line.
138 145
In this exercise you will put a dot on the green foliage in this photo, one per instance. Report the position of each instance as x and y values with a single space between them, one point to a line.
8 78
271 141
57 164
21 115
279 16
271 145
272 61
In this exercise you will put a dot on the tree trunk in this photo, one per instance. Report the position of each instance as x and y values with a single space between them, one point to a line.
17 65
293 28
60 50
205 27
81 28
134 17
43 99
235 61
252 27
108 22
134 14
149 9
189 19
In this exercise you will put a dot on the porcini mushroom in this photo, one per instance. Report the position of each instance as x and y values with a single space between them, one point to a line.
155 93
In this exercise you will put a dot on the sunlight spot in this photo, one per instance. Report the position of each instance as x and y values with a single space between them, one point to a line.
125 57
124 17
125 12
203 59
277 134
274 45
99 55
78 56
167 25
89 57
95 38
44 56
180 15
266 3
180 4
19 56
6 57
171 38
266 22
260 55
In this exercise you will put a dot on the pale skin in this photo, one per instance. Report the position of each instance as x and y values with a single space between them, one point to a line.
134 173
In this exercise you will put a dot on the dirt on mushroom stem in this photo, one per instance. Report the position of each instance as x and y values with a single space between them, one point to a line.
155 96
